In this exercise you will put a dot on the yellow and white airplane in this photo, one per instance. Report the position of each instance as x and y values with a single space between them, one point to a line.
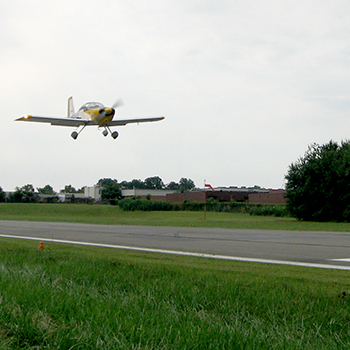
91 113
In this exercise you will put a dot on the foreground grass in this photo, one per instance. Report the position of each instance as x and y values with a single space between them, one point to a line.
113 215
69 297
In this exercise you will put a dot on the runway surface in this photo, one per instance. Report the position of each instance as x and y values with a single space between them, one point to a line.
303 248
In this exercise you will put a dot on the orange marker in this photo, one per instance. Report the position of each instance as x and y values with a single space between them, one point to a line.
41 246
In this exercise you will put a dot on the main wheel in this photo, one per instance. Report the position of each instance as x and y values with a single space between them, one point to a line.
115 134
105 132
74 134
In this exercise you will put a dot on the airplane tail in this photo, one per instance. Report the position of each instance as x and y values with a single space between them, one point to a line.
71 110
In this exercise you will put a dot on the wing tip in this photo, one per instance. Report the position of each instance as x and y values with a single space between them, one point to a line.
25 117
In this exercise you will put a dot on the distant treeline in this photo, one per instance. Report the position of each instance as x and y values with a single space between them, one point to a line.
111 189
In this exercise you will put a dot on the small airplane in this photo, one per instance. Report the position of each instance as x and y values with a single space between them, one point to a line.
90 113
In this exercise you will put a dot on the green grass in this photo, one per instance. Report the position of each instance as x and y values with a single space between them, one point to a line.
71 297
113 215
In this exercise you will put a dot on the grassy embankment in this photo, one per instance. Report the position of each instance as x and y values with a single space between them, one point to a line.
71 297
113 215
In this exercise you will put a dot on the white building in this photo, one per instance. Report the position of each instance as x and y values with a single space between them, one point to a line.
93 192
142 193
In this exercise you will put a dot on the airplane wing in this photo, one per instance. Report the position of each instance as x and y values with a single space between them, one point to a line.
137 120
56 121
79 122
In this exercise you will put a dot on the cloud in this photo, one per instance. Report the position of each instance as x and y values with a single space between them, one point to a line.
244 86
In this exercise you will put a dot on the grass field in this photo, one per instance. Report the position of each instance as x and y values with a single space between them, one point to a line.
69 297
73 297
113 215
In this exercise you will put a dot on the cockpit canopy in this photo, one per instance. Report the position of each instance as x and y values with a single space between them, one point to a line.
91 105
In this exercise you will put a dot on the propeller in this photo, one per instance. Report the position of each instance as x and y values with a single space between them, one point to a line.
118 103
111 110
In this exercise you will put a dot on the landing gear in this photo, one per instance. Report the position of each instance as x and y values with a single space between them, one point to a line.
75 134
114 134
105 132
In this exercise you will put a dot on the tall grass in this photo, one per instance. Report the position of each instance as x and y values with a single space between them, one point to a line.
85 298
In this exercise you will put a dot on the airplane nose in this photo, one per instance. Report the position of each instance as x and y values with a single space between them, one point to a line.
107 111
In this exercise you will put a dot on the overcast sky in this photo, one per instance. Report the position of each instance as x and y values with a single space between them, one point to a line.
245 87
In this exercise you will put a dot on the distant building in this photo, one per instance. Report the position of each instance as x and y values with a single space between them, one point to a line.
47 198
93 192
221 194
157 195
74 198
271 197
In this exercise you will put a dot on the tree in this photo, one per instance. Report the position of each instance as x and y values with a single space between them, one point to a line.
69 189
186 185
2 195
16 196
28 193
154 183
318 184
46 190
24 194
110 189
81 190
174 186
139 184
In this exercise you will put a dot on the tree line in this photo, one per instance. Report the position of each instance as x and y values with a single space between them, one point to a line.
27 193
111 189
317 185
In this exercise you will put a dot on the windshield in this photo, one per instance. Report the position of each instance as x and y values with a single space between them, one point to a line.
91 105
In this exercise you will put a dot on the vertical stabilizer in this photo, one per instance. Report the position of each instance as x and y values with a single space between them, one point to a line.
71 111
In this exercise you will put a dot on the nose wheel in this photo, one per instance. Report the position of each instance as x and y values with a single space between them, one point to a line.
114 134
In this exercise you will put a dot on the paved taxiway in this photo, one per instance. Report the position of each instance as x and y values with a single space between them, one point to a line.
319 249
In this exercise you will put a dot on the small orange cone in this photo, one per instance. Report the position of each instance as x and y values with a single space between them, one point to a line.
41 246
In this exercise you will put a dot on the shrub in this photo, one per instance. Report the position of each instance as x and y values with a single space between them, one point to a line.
269 210
146 205
211 205
318 184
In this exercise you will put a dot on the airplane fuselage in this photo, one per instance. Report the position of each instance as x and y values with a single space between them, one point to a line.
96 112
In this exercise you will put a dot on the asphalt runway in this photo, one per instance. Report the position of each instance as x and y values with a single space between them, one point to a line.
303 248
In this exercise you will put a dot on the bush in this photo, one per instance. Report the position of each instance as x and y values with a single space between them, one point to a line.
2 195
211 205
318 184
269 210
146 205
